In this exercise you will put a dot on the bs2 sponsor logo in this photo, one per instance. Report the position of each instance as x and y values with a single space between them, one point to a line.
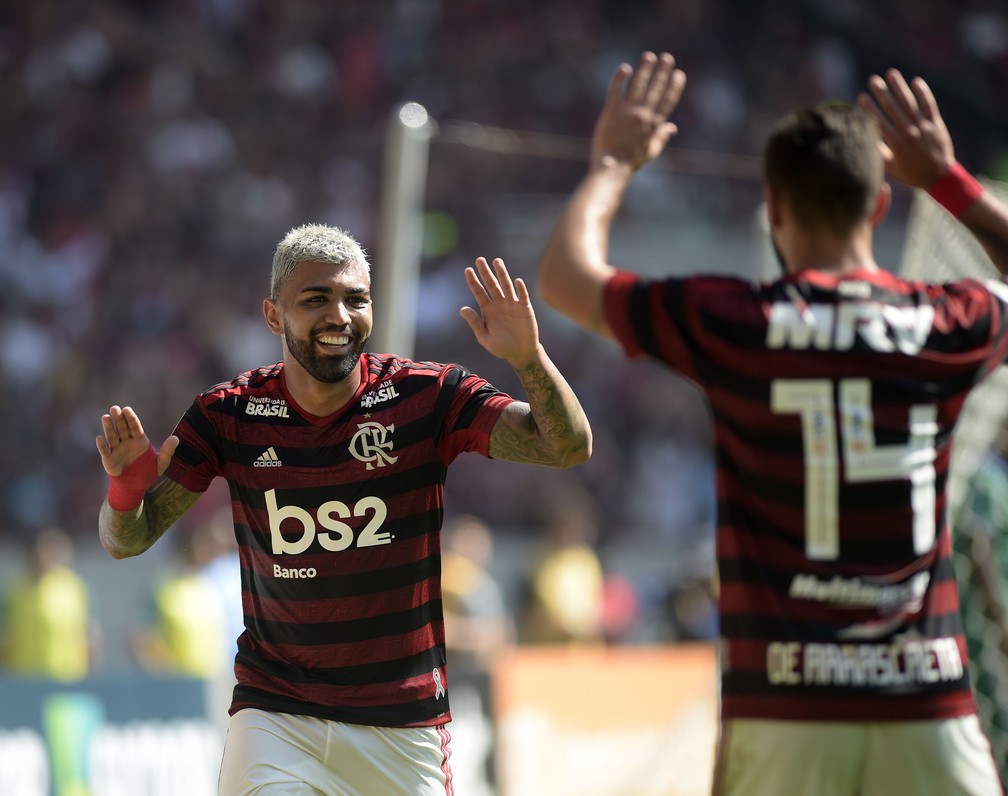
335 534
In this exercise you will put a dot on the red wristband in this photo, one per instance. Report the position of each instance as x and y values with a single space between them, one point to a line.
126 491
956 190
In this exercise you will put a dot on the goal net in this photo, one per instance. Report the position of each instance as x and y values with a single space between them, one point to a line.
939 249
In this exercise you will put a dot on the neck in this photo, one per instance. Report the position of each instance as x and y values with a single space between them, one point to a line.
319 398
831 254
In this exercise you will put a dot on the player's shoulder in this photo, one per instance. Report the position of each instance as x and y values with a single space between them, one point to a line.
259 380
702 292
969 294
382 367
982 288
700 283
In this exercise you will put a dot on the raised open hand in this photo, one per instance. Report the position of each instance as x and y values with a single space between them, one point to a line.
916 146
633 127
124 441
505 324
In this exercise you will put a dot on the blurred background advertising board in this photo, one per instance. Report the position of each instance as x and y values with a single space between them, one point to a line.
604 721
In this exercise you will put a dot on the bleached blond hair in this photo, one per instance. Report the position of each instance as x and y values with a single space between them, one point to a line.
313 242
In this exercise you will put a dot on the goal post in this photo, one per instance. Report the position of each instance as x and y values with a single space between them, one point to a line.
400 228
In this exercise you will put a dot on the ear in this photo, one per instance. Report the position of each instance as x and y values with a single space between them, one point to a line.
773 206
271 311
883 201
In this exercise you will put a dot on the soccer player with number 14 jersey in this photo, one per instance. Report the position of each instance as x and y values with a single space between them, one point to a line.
834 391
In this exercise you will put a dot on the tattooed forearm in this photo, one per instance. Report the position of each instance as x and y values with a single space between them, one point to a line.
514 438
551 429
129 533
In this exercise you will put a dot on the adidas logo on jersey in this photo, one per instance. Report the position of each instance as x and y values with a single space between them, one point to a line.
268 458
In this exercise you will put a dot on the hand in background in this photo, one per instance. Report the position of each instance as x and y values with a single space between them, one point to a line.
633 127
916 145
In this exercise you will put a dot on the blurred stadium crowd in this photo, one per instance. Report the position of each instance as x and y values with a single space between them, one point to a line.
152 152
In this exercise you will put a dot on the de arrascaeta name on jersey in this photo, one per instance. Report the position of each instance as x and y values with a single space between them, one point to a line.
890 665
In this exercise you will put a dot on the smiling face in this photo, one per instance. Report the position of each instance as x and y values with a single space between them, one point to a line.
323 313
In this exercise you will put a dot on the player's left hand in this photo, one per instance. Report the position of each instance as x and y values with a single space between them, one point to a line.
505 324
917 146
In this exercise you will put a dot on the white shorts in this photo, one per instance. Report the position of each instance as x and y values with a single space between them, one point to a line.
795 758
280 754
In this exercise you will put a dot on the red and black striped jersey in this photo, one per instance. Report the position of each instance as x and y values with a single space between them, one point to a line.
833 402
338 523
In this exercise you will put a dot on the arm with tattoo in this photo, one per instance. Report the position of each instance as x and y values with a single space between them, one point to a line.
142 503
129 533
551 429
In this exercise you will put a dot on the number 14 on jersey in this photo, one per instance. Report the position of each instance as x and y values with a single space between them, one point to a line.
853 444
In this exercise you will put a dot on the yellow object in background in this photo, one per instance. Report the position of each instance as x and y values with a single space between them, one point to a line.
47 622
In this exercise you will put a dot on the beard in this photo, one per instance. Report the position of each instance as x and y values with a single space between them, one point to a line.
328 369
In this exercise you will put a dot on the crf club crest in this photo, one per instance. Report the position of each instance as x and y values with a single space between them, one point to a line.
372 444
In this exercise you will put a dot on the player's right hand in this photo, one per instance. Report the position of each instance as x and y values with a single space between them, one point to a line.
633 127
124 441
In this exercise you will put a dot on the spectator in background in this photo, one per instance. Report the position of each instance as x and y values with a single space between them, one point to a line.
621 610
478 624
222 570
479 631
184 632
48 626
563 601
691 609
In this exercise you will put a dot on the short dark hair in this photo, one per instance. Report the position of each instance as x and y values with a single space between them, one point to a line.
825 162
